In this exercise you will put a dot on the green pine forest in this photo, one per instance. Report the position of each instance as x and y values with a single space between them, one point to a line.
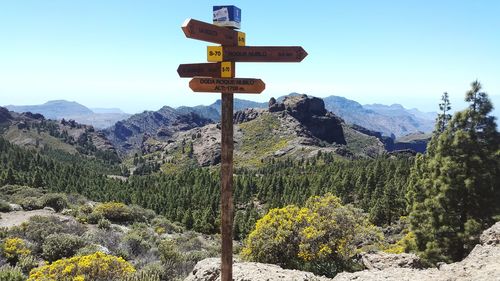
447 196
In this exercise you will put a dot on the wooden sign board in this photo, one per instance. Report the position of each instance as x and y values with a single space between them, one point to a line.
223 69
255 54
199 30
227 85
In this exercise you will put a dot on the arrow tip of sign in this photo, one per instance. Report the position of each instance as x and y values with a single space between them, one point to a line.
186 22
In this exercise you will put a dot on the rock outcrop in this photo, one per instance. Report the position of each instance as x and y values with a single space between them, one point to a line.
481 265
312 115
209 270
4 115
132 134
381 260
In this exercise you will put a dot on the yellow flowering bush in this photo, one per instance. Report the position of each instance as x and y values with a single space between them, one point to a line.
13 248
97 266
405 245
323 236
114 211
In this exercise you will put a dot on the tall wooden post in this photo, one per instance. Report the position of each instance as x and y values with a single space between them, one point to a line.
227 187
218 77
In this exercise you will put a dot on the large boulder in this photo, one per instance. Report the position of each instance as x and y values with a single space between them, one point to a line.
381 260
209 270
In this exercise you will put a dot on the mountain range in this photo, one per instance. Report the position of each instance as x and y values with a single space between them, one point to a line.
391 120
62 109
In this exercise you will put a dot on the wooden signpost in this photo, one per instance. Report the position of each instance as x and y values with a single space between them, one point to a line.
218 77
255 54
227 85
217 70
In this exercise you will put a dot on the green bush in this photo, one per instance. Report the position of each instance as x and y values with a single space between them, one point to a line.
38 228
140 214
17 193
163 225
140 239
4 206
31 203
104 224
90 249
168 252
57 201
26 263
58 246
8 273
94 217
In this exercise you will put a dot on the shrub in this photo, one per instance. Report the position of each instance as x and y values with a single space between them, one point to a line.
31 203
91 249
323 237
8 273
4 206
114 211
163 225
17 193
140 214
104 224
405 245
139 239
94 217
57 246
57 201
111 239
38 228
26 263
13 248
97 266
168 251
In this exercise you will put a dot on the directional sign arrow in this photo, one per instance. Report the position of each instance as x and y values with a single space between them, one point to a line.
215 70
199 30
227 85
255 54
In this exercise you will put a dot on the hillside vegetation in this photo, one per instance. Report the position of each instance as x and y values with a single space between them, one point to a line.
154 215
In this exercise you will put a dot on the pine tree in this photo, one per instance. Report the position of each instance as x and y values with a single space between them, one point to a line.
444 116
454 188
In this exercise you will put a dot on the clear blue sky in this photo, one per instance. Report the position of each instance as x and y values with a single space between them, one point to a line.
121 53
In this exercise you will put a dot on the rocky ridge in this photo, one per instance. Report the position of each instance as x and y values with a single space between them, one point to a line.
480 265
133 134
33 130
299 126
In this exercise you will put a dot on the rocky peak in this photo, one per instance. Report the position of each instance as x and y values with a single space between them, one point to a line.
4 115
303 107
312 114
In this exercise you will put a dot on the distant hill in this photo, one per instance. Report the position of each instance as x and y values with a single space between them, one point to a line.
56 109
213 111
32 130
391 120
108 110
62 109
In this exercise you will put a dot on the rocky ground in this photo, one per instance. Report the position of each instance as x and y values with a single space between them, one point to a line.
481 265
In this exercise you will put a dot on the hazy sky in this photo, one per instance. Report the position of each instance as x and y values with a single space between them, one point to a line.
120 53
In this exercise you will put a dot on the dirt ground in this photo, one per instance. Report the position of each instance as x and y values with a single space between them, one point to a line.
17 217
